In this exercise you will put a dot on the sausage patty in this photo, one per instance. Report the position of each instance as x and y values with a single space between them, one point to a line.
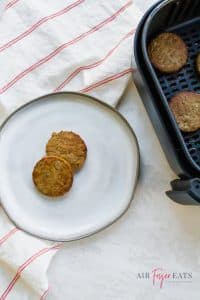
52 176
186 109
168 52
69 146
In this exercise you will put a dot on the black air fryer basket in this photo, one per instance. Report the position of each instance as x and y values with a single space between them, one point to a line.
182 149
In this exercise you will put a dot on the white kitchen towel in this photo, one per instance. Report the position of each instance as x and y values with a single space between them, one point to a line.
48 46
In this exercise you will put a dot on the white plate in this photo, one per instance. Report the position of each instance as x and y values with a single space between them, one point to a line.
102 189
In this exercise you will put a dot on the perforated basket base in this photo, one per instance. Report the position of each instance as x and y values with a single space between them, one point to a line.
186 79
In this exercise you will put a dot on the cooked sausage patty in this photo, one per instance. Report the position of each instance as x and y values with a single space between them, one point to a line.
186 109
69 146
198 63
168 52
52 176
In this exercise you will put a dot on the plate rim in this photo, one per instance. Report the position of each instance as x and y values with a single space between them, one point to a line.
137 163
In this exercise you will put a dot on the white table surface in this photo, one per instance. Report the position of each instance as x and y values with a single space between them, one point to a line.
154 233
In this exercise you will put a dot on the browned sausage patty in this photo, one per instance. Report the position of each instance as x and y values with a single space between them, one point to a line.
168 52
198 63
52 176
186 109
69 146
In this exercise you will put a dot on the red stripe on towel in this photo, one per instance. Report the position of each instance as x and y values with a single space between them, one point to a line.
93 65
106 80
62 47
11 3
10 233
39 23
24 266
44 295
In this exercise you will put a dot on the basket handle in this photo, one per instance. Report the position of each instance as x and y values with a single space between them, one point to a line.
186 192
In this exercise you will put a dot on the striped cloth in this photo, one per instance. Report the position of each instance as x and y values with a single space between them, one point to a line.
47 46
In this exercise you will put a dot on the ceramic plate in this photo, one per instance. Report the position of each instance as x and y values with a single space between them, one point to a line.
102 190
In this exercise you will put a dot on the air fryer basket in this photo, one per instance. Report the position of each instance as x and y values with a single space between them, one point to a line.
183 18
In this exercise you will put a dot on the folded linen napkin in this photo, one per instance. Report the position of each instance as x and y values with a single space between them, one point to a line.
47 46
